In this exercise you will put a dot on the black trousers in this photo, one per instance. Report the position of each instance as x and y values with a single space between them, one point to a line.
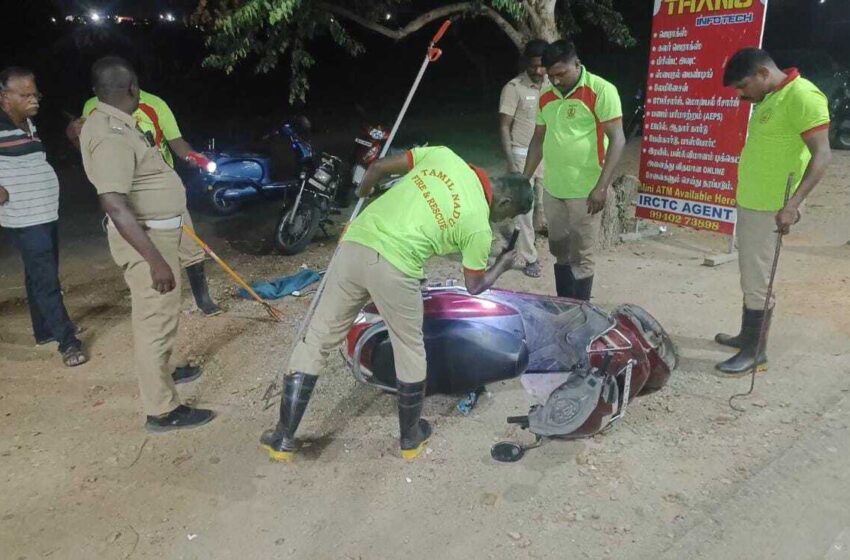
39 248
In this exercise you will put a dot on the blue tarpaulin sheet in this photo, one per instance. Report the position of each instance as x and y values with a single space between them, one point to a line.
283 286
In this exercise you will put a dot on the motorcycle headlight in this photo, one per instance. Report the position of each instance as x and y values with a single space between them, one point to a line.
322 176
211 167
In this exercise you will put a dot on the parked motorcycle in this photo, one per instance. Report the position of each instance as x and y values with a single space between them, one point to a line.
581 365
319 195
368 149
240 177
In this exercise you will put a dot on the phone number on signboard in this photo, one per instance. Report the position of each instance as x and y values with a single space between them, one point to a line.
686 221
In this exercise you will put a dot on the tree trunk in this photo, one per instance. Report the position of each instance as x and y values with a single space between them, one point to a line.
618 214
541 19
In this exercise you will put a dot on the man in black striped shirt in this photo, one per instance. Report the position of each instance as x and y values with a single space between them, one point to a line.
29 210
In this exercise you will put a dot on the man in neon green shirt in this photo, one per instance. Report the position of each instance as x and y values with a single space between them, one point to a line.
788 134
441 206
156 120
579 137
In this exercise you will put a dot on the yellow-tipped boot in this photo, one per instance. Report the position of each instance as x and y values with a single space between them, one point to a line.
414 431
280 442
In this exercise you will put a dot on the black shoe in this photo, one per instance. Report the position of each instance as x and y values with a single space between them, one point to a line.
743 362
564 281
200 290
414 431
185 374
181 418
583 288
280 442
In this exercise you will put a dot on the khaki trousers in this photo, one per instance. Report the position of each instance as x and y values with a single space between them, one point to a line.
190 252
756 232
155 317
531 221
357 274
572 233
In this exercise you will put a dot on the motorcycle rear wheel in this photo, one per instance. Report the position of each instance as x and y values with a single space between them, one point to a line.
290 238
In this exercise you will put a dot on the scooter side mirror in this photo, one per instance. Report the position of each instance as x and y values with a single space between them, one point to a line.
507 452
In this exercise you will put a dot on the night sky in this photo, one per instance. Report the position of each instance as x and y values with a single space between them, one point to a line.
478 60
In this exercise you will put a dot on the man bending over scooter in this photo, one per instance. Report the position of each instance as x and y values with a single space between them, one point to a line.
441 206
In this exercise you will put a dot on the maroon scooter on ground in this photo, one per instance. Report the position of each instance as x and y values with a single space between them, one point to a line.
581 365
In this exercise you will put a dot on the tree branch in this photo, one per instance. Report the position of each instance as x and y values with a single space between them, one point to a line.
531 13
426 18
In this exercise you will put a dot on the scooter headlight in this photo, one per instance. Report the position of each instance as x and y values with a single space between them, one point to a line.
211 167
322 176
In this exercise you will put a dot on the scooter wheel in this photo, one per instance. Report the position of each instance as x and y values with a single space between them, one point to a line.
218 205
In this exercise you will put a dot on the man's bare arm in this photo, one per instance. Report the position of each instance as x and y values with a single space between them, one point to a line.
384 167
818 145
616 143
505 123
181 148
477 282
117 208
535 151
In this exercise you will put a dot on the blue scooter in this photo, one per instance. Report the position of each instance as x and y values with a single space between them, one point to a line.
240 177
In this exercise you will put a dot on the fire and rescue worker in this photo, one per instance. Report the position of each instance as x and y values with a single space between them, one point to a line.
440 206
579 137
788 133
145 202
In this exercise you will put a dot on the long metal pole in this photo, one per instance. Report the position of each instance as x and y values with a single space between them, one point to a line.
431 55
762 340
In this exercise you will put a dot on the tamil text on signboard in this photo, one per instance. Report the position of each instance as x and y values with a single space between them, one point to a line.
694 128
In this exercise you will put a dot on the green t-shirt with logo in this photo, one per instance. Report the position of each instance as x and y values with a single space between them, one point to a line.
154 116
775 146
439 207
575 143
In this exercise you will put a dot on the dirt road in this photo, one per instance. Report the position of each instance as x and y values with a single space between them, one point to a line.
682 476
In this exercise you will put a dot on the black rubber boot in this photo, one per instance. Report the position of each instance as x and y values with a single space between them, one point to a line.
742 363
414 431
200 289
185 374
755 317
280 442
583 288
733 341
564 281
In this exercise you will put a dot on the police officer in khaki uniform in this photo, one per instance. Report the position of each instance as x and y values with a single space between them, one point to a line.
145 201
517 120
155 116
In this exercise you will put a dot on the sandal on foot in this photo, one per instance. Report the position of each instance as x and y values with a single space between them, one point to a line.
74 356
532 270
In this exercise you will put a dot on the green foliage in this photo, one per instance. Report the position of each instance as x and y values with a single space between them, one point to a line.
602 14
265 31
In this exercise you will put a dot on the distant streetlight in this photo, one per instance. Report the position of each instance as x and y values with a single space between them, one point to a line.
53 20
388 16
